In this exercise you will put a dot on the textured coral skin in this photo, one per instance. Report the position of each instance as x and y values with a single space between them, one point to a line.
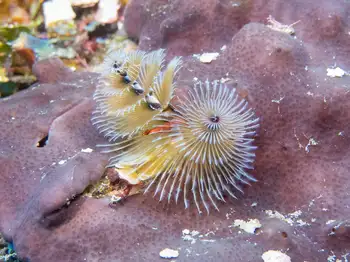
283 78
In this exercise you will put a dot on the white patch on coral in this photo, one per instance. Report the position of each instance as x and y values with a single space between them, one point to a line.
312 142
188 235
169 253
296 213
301 222
291 218
336 72
43 176
330 221
276 214
62 162
229 214
277 101
275 256
87 150
194 233
248 226
223 48
312 202
185 232
207 57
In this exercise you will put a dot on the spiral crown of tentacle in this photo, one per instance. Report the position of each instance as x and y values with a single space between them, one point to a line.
200 148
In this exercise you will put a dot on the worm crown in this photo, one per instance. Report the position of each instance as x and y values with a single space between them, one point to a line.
199 149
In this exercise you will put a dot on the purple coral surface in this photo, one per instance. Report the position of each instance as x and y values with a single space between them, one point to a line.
302 164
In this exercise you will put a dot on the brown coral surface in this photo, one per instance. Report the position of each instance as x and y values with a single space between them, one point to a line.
302 165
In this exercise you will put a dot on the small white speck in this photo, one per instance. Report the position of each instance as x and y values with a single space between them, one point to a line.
169 253
43 176
330 221
312 142
278 101
62 162
195 79
223 48
209 233
254 204
51 101
87 150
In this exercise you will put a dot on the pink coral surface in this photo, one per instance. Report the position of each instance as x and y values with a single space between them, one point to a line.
302 165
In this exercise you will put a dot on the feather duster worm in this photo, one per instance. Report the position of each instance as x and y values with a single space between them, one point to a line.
133 94
199 150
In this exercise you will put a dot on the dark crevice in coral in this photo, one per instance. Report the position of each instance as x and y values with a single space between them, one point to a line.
134 39
284 234
103 29
42 142
61 215
257 231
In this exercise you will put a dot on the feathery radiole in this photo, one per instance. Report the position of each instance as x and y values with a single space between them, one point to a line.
200 148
